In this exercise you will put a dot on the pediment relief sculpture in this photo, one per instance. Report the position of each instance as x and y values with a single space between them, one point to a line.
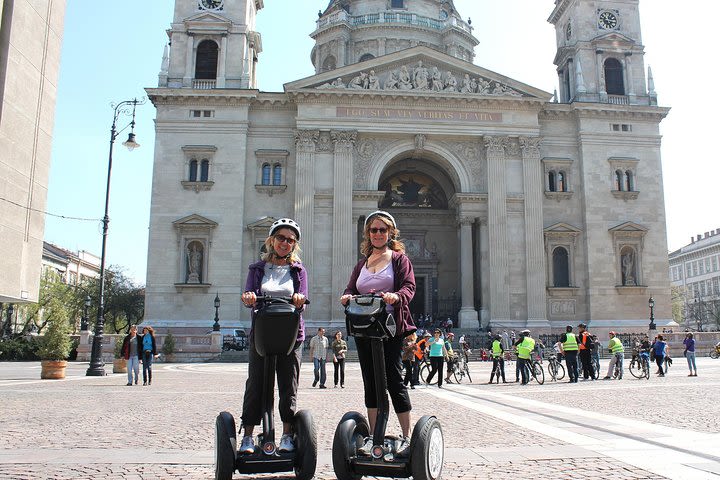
421 78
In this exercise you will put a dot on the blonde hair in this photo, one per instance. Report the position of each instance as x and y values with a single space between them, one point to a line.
394 243
270 255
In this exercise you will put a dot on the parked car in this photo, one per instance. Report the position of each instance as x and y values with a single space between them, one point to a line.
234 339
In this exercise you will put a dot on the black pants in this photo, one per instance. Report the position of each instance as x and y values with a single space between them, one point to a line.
436 366
660 359
572 366
393 372
288 370
498 369
339 366
410 367
587 366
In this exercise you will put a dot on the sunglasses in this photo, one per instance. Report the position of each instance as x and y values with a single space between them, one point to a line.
378 230
282 238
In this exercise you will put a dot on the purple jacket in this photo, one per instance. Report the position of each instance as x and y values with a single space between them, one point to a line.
404 286
299 277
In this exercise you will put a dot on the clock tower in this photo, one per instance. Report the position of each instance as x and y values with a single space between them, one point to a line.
600 55
202 34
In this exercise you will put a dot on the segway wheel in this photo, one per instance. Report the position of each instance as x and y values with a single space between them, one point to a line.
306 438
225 446
349 436
427 449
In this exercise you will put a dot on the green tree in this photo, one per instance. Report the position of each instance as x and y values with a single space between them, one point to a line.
56 302
124 300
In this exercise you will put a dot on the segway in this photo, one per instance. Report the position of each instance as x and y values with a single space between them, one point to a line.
275 332
365 317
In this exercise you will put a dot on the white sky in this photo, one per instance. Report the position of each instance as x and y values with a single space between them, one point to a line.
112 51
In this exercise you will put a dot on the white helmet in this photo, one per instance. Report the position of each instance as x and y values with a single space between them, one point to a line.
380 213
285 223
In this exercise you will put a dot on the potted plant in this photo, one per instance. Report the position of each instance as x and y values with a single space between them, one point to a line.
55 348
168 348
119 362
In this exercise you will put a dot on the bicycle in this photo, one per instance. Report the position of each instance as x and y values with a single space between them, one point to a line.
460 369
596 367
715 353
640 365
535 370
555 368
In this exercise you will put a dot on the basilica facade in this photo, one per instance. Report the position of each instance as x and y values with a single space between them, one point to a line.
518 207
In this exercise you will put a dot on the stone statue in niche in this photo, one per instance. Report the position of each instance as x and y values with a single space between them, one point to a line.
466 85
373 81
404 82
360 82
437 81
391 82
450 83
194 263
627 262
483 86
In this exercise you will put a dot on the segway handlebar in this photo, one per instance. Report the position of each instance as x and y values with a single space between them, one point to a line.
270 299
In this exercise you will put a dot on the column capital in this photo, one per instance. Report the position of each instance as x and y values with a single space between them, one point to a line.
306 139
465 221
530 146
344 138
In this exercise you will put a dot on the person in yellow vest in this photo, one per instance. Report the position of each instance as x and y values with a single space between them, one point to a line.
615 347
525 346
569 344
498 360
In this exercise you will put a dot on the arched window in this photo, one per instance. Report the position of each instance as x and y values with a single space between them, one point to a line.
204 170
192 174
329 64
206 60
266 171
561 267
629 181
619 177
561 184
277 174
614 83
366 57
552 185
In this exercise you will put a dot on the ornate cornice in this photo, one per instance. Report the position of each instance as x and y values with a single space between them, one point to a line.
192 97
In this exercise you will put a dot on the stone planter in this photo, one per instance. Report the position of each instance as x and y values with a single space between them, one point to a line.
53 369
119 365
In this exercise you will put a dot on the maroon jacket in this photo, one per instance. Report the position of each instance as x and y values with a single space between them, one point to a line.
404 286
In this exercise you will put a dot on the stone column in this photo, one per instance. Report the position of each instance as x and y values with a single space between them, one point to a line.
342 53
381 47
561 82
318 60
343 230
468 315
305 190
484 278
602 88
497 230
222 63
630 79
534 237
189 61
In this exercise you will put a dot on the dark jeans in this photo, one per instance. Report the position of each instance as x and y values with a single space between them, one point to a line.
659 359
410 371
436 366
524 365
147 366
393 373
498 369
587 366
572 366
339 366
288 370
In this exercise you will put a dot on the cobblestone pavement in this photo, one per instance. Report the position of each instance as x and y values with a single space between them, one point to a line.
96 427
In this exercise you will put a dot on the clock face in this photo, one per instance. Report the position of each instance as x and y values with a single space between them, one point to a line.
443 15
568 31
211 4
607 20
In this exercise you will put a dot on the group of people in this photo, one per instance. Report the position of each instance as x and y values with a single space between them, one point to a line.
385 270
137 349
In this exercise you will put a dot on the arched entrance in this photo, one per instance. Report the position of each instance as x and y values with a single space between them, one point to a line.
417 194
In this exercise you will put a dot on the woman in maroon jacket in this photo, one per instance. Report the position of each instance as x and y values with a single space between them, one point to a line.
386 270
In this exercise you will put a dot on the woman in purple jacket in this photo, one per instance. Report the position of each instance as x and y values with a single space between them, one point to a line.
385 270
279 274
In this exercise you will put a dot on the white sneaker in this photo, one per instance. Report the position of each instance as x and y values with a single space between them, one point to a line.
286 443
366 449
247 445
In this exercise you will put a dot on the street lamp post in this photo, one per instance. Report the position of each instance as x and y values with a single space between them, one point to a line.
216 325
651 304
126 107
85 318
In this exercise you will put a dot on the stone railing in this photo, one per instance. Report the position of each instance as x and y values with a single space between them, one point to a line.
204 84
392 17
618 100
188 348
